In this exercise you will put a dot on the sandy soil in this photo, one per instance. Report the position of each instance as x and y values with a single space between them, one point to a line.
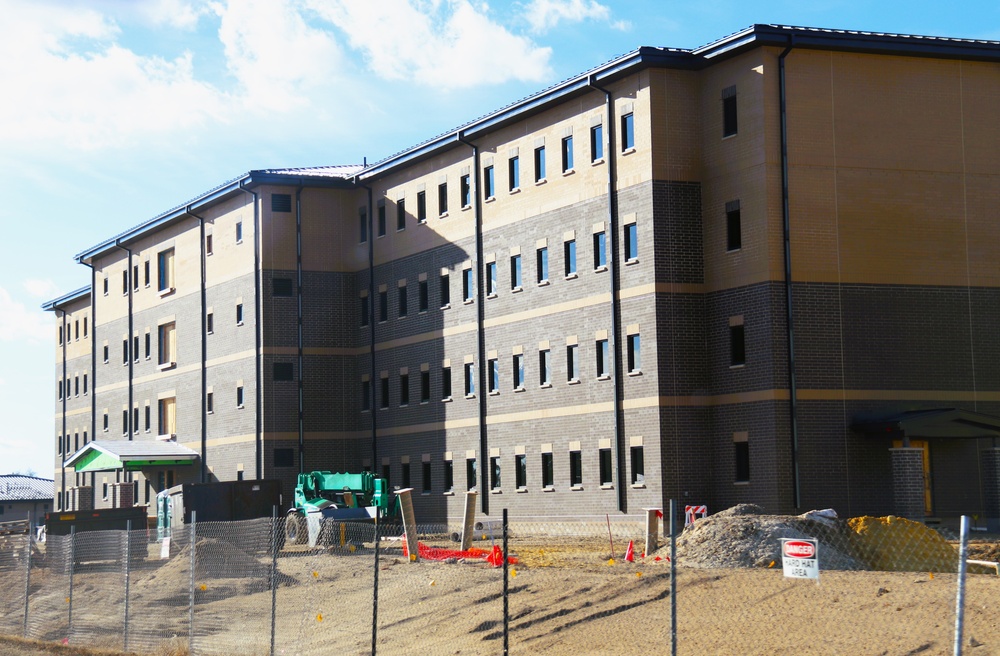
565 599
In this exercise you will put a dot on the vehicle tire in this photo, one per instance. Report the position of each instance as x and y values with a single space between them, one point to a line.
295 529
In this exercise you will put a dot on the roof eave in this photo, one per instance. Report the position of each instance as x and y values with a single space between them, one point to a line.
75 295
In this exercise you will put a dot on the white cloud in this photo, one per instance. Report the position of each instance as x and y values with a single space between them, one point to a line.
447 44
173 13
543 15
17 322
39 288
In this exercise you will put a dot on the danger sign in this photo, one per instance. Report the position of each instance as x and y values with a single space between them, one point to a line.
799 558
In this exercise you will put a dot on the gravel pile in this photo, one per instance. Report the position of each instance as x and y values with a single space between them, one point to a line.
743 536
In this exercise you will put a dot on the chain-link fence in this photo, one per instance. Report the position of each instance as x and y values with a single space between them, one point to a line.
568 585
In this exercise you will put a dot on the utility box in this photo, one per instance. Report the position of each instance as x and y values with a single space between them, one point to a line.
226 501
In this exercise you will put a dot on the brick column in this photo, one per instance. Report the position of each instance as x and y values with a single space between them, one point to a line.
907 482
125 491
989 462
84 498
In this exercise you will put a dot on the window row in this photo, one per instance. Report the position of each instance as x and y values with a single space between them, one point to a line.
72 331
141 418
71 387
517 375
401 476
67 447
539 175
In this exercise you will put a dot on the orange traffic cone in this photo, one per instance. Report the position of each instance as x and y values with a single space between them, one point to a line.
629 556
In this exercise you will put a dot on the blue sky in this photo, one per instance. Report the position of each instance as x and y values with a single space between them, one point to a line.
115 111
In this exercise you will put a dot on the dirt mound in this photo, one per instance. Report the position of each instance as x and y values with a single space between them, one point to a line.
895 544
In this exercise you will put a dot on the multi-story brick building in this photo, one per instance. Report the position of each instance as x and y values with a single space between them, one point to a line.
586 302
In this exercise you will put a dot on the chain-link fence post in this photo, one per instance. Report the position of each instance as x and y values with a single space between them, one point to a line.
193 538
673 578
128 560
963 554
27 582
274 572
72 564
506 591
378 544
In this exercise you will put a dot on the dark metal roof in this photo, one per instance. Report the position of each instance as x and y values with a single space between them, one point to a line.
56 303
15 487
934 422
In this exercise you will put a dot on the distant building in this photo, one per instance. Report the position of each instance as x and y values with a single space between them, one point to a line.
763 270
25 497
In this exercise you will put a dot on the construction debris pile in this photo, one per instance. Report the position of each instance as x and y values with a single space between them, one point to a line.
743 536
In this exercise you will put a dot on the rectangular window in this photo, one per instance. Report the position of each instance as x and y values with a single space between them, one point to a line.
60 335
470 379
491 278
638 466
426 476
135 419
465 185
239 396
76 386
208 251
544 367
539 163
603 359
734 228
365 311
145 275
515 272
239 314
402 302
489 190
362 225
385 473
85 327
135 348
634 359
729 122
604 460
400 214
468 291
383 306
572 363
366 395
425 386
209 402
239 232
167 417
84 384
405 469
542 264
59 387
548 476
282 287
442 198
445 383
422 296
445 291
449 476
124 354
105 285
470 474
517 365
381 219
494 372
105 354
404 389
569 257
521 471
600 250
147 347
575 468
167 344
567 154
383 400
124 286
631 243
283 371
628 132
495 473
421 206
513 173
135 287
165 270
742 455
76 329
209 326
597 143
147 419
737 346
105 422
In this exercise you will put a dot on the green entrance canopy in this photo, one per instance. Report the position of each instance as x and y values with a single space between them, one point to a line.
129 456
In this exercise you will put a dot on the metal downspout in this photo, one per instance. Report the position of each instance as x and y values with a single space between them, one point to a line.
786 234
298 322
612 254
484 460
93 355
130 341
62 382
204 349
258 411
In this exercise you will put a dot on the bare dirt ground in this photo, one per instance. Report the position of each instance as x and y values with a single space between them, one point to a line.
566 598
